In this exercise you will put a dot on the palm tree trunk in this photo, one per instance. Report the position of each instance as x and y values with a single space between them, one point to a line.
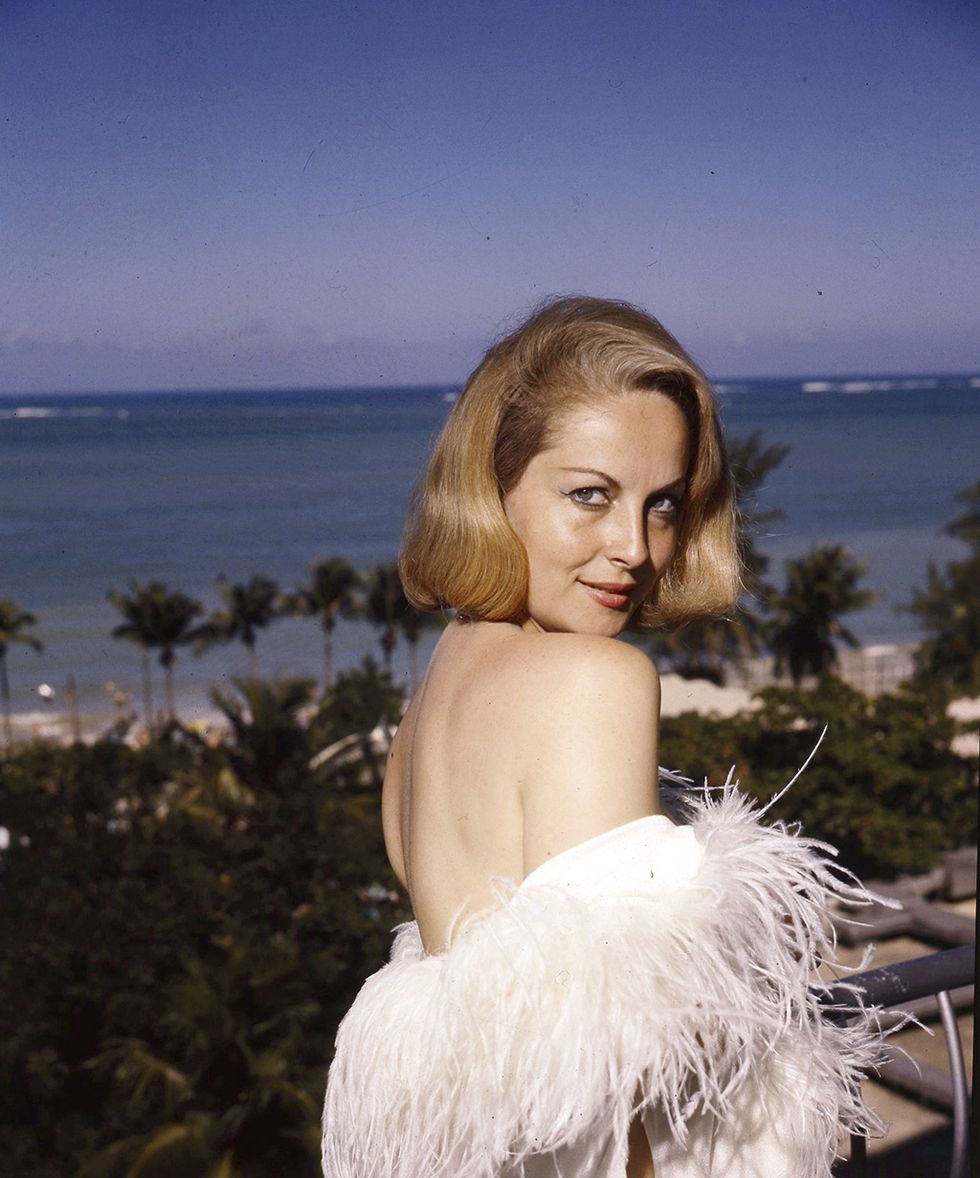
168 673
71 699
147 694
5 695
388 641
327 661
253 662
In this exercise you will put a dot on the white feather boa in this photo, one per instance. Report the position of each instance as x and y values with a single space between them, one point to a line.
542 1022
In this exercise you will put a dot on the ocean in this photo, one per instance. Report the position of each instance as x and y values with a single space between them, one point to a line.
97 490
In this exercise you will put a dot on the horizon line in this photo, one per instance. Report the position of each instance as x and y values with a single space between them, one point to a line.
197 390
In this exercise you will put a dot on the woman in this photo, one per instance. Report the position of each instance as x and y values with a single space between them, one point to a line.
588 990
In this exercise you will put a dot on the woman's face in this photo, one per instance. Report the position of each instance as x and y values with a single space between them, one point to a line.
598 511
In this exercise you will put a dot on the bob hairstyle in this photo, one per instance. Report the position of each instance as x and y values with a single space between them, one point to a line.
460 551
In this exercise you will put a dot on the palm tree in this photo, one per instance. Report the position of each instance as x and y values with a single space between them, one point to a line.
413 622
948 606
249 607
751 462
156 618
806 614
704 648
138 611
220 1094
265 725
327 595
175 627
385 606
15 626
967 526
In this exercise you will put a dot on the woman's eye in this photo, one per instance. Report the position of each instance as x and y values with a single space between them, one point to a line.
589 496
665 505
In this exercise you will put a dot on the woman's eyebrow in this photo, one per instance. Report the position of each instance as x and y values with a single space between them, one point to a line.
590 470
678 484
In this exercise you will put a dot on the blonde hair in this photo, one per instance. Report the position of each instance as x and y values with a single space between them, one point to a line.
460 551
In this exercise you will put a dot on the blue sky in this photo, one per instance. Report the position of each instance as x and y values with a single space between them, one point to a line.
219 194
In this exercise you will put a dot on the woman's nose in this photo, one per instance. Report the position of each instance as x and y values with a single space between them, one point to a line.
628 543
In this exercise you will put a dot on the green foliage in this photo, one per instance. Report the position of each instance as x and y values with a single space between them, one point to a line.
967 526
358 702
208 914
384 606
413 623
156 618
353 726
884 786
949 608
706 648
248 608
752 461
268 740
329 593
806 623
15 628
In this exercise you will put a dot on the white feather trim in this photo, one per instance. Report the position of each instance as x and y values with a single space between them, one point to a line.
539 1025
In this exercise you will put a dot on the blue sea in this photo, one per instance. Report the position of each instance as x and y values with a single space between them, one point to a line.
97 490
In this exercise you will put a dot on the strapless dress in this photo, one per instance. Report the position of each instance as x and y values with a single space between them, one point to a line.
657 969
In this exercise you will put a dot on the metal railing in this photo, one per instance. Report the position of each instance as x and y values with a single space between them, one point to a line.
901 988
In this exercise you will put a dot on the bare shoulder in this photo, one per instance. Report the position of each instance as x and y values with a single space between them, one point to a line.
587 674
590 752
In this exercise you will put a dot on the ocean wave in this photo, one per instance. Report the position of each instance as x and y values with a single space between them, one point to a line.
25 411
869 386
39 412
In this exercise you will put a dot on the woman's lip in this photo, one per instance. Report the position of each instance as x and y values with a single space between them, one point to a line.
609 595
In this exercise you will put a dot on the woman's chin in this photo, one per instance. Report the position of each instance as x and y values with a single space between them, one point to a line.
607 624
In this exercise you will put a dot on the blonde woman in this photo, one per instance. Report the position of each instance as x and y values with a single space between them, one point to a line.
588 990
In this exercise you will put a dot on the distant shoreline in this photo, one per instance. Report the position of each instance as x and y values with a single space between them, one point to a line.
99 492
874 669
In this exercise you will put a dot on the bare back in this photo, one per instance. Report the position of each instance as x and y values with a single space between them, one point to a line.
519 745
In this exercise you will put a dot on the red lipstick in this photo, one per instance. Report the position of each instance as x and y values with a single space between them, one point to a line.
608 593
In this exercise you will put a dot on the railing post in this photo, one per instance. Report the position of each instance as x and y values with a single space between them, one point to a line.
936 973
961 1099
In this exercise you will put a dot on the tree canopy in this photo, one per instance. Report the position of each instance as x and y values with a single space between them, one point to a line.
948 606
806 625
330 592
156 618
209 911
15 629
249 607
